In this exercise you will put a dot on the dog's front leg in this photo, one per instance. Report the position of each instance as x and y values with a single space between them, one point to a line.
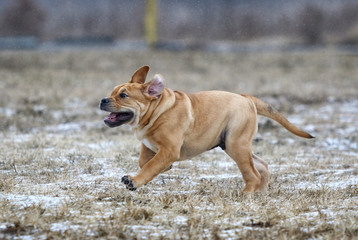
159 163
145 155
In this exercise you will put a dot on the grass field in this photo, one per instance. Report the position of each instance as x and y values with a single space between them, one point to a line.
60 166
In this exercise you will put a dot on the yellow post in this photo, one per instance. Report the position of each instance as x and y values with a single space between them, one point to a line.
151 22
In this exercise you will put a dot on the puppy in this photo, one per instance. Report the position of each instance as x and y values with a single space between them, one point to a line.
175 126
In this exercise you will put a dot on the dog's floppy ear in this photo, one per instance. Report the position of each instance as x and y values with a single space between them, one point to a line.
155 87
140 75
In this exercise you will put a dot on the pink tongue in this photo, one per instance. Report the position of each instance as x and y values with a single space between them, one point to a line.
112 117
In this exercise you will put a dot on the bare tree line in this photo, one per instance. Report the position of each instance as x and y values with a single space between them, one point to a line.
310 22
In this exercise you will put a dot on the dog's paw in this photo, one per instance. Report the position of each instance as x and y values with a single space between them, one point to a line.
129 183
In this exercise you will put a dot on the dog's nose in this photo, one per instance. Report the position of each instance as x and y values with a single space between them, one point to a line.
104 100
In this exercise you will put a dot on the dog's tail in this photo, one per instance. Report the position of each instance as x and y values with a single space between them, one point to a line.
267 110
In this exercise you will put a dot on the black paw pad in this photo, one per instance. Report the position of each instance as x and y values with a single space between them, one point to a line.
129 183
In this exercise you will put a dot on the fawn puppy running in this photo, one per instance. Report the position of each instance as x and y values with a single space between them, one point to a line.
175 126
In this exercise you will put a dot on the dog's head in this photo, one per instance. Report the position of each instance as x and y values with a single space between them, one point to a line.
130 101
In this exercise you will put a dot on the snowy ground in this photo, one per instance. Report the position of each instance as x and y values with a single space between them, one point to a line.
60 167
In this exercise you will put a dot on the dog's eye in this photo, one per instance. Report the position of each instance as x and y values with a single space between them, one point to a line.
123 95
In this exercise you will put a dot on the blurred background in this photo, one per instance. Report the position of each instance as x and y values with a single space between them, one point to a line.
177 24
60 164
56 52
60 55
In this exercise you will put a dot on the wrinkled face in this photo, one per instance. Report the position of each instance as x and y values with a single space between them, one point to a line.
125 104
129 102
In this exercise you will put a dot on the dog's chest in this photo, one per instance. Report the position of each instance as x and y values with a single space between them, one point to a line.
140 136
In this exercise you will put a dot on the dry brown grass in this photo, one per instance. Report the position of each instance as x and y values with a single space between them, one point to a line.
60 167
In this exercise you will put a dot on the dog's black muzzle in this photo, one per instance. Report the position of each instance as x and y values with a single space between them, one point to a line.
104 104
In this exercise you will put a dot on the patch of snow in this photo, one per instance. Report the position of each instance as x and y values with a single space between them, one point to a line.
218 150
296 120
230 234
344 171
63 226
57 114
310 128
70 127
39 108
340 144
49 149
225 164
64 127
180 220
2 226
8 112
18 138
354 154
348 130
151 230
100 145
334 184
220 176
28 200
343 183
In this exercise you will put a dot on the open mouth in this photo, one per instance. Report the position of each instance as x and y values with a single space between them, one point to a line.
116 119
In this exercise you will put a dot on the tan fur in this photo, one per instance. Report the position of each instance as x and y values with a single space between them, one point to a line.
176 126
267 110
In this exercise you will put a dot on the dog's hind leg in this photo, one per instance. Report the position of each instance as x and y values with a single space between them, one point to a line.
262 168
241 153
